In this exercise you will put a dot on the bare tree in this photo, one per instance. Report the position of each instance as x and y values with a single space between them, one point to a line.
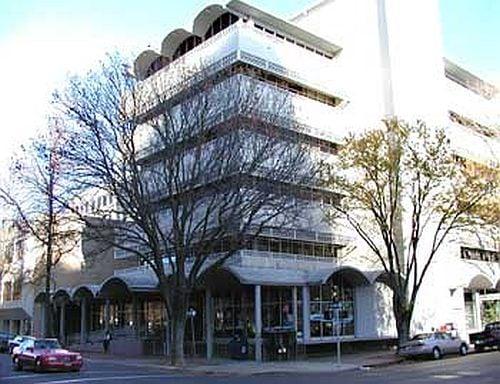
199 161
404 193
36 185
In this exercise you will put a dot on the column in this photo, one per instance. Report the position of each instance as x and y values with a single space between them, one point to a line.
62 321
477 310
42 320
209 326
106 316
294 303
135 315
258 323
83 321
305 313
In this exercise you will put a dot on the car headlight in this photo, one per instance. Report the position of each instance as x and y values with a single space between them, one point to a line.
78 357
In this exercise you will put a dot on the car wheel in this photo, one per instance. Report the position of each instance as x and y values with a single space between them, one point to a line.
16 364
462 350
478 348
38 365
436 353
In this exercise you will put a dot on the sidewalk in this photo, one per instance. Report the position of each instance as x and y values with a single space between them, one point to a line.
249 367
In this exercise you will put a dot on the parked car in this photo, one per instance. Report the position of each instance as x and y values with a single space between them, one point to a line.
489 338
45 355
17 341
434 344
4 341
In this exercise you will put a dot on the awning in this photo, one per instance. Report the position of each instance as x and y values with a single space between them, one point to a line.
14 314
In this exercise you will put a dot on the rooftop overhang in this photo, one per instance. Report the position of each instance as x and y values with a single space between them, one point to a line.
143 62
173 40
468 80
14 314
206 17
247 11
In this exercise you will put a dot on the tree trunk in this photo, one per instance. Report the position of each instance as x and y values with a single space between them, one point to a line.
403 313
178 321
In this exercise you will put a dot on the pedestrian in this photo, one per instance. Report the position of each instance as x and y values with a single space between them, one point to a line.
106 341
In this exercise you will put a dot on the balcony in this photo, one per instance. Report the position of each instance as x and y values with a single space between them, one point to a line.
243 42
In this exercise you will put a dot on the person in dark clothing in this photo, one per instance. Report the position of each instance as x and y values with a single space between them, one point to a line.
106 341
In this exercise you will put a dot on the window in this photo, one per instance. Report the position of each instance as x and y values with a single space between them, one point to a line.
332 309
479 254
187 45
221 23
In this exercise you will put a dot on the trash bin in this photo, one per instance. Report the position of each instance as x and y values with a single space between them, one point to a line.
280 343
238 348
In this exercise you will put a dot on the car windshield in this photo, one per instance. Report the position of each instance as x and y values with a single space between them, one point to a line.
47 344
421 336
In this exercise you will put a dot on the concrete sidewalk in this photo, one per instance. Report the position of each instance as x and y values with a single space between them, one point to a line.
249 367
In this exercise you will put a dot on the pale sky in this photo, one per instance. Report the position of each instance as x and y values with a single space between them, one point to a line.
41 41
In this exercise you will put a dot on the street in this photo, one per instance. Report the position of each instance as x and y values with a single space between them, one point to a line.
476 368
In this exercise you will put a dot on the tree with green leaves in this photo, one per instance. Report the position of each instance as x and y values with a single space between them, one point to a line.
405 193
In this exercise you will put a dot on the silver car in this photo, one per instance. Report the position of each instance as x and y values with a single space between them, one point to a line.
434 344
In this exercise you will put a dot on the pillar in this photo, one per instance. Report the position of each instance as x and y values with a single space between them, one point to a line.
305 313
258 323
42 320
106 315
62 321
477 310
295 309
135 315
83 321
209 326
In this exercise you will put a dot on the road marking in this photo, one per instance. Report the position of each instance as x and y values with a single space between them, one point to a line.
91 379
446 377
19 377
469 373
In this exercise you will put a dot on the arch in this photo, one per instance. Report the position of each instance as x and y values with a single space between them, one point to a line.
480 281
206 17
350 274
220 279
40 297
61 295
174 39
115 287
143 62
85 291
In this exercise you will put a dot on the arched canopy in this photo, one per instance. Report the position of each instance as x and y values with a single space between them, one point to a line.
348 275
480 282
173 40
206 17
61 295
40 297
143 62
220 280
124 286
85 292
114 288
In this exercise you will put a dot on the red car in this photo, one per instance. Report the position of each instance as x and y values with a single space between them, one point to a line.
45 355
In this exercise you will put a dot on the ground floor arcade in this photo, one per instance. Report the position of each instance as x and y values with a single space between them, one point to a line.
255 307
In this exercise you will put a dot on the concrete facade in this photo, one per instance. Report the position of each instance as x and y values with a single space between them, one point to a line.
375 57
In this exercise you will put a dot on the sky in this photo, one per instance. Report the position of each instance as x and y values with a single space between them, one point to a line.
43 41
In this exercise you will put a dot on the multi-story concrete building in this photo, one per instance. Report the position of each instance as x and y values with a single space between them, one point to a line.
345 65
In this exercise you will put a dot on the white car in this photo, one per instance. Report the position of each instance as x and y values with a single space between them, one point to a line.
434 344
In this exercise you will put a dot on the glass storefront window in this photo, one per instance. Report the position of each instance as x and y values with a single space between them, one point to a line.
332 310
277 307
233 313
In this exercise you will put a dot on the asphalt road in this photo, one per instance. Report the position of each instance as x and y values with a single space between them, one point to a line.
478 369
